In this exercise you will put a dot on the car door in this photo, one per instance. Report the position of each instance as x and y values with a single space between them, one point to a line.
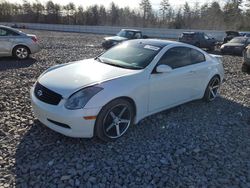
179 85
5 42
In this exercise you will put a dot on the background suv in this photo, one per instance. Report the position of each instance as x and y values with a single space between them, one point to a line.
199 39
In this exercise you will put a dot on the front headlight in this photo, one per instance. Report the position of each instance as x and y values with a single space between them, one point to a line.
222 46
79 99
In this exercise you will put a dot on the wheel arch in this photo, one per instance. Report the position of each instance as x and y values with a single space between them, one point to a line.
16 45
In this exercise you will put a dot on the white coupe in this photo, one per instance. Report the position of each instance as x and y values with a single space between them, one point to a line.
105 95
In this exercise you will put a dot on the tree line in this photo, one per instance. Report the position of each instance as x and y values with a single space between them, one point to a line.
234 14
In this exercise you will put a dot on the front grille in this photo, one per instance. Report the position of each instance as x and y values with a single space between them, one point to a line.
46 95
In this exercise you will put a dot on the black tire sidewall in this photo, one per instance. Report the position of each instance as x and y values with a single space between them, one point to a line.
206 95
15 49
99 130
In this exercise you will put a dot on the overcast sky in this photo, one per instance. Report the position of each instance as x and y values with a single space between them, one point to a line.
121 3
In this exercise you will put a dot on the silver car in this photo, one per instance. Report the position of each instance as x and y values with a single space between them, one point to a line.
16 43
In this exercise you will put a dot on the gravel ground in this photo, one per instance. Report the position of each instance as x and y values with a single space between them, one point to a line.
193 145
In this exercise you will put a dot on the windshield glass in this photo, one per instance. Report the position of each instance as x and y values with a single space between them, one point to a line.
126 34
130 55
238 40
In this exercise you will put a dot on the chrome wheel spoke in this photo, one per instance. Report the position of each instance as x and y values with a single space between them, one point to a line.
122 112
112 115
110 126
124 121
117 129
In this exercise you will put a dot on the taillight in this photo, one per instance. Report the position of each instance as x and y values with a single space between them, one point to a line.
34 39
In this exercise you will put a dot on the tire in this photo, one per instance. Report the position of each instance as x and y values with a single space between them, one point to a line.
114 119
21 52
244 67
211 48
212 89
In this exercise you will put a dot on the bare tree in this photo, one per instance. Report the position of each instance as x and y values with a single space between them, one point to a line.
146 8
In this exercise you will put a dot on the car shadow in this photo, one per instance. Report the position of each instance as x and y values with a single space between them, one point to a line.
7 63
44 156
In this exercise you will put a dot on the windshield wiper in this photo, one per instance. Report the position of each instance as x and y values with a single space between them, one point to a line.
99 59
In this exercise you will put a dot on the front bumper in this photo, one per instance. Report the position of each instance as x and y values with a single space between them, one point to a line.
237 51
54 115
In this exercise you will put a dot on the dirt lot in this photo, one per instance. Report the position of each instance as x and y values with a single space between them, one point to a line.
193 145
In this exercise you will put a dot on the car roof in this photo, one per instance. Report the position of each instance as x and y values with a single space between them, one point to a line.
10 28
154 42
232 32
243 37
191 33
134 30
3 26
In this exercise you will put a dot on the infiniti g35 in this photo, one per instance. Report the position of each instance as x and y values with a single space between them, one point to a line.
103 96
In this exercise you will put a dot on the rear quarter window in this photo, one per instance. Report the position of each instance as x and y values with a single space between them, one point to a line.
196 56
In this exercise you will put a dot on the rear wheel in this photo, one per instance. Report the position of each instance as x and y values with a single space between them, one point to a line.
212 89
244 67
114 120
21 52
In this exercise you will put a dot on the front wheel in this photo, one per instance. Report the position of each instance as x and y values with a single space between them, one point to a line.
212 89
114 120
21 52
244 67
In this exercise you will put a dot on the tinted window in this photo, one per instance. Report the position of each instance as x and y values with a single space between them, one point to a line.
3 32
7 32
137 35
196 56
181 56
241 40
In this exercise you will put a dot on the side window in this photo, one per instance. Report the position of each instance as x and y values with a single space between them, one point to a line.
137 36
248 41
206 37
196 56
6 32
177 57
3 32
130 34
12 33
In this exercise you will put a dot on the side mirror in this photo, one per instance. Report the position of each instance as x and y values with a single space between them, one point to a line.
163 69
144 36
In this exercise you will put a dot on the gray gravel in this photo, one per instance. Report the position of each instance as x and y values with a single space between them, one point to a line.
193 145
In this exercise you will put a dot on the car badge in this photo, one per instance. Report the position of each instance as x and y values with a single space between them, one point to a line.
39 93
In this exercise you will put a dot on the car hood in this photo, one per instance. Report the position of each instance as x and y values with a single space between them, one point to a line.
68 78
116 38
234 44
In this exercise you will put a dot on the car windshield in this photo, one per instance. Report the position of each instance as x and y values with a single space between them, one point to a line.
130 55
238 40
126 34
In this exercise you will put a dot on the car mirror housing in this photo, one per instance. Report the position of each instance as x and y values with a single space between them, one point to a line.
163 69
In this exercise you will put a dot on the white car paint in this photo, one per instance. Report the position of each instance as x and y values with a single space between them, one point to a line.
151 93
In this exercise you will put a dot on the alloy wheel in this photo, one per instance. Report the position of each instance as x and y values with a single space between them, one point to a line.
214 88
117 121
22 53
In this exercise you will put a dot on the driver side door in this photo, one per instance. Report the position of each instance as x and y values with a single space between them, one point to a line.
175 87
